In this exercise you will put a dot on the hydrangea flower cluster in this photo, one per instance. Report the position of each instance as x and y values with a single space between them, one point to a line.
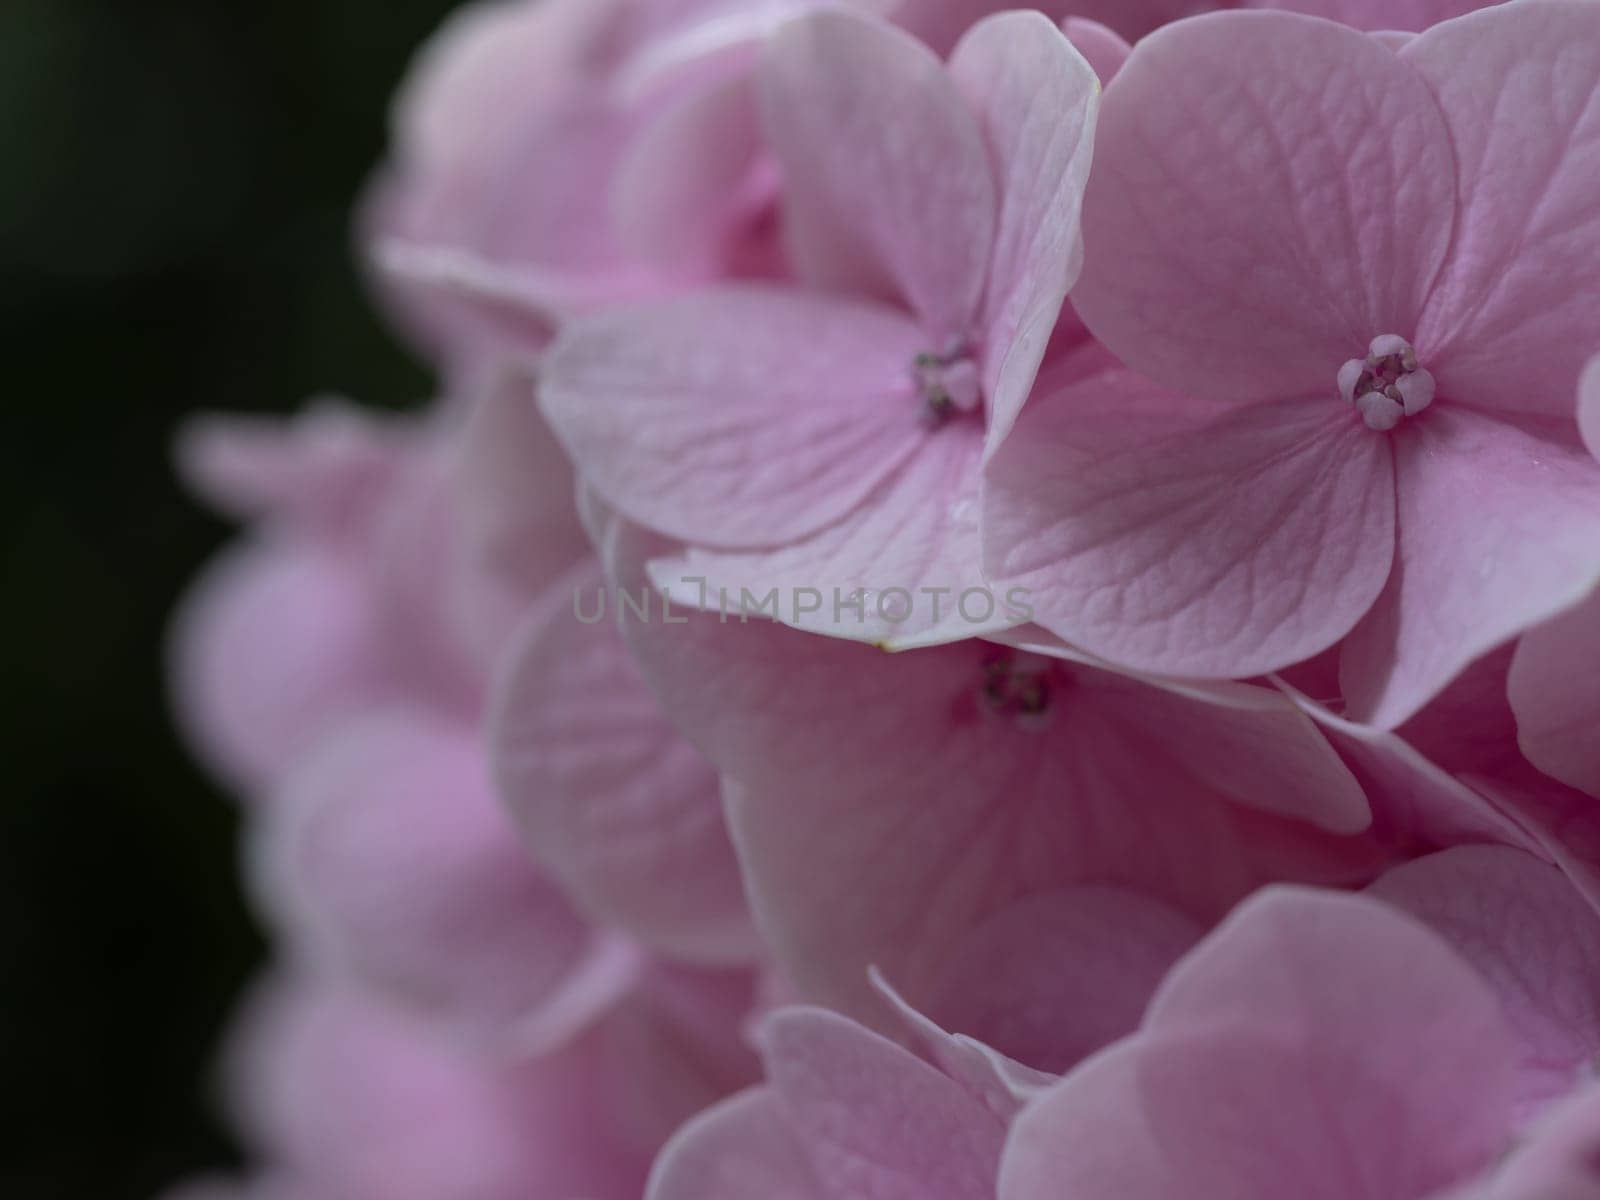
998 605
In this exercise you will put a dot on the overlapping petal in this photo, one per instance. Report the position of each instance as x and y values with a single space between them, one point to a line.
1154 532
611 801
1517 313
1498 531
1554 687
1269 193
885 168
738 417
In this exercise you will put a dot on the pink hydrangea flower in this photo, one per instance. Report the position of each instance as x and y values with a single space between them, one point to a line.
387 559
1248 848
833 437
282 635
1358 308
932 812
479 243
386 859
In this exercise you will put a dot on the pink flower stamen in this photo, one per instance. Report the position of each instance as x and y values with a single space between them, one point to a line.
1020 686
947 384
1387 384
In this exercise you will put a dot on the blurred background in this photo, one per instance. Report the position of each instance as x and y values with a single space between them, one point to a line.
174 235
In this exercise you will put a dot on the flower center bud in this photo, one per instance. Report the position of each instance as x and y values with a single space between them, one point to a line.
947 384
1387 384
1019 686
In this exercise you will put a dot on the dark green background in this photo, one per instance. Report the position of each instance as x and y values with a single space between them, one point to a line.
174 196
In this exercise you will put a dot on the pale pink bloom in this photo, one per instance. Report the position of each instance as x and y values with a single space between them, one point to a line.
385 858
1373 305
969 818
349 1098
832 438
550 156
387 561
611 800
279 637
1326 1045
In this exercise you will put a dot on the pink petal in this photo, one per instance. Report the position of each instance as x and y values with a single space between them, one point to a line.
1102 47
879 148
1245 741
1530 934
1414 801
1216 726
1562 824
940 23
514 504
1058 976
1557 1159
1517 313
1498 531
1211 1116
677 1044
612 802
1554 687
368 1101
874 1120
1469 727
1003 1084
740 417
490 309
1090 1133
271 645
1316 1045
1375 15
684 185
1160 541
743 1149
324 471
485 60
909 553
1270 192
472 256
1037 100
1589 406
882 813
386 856
419 570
